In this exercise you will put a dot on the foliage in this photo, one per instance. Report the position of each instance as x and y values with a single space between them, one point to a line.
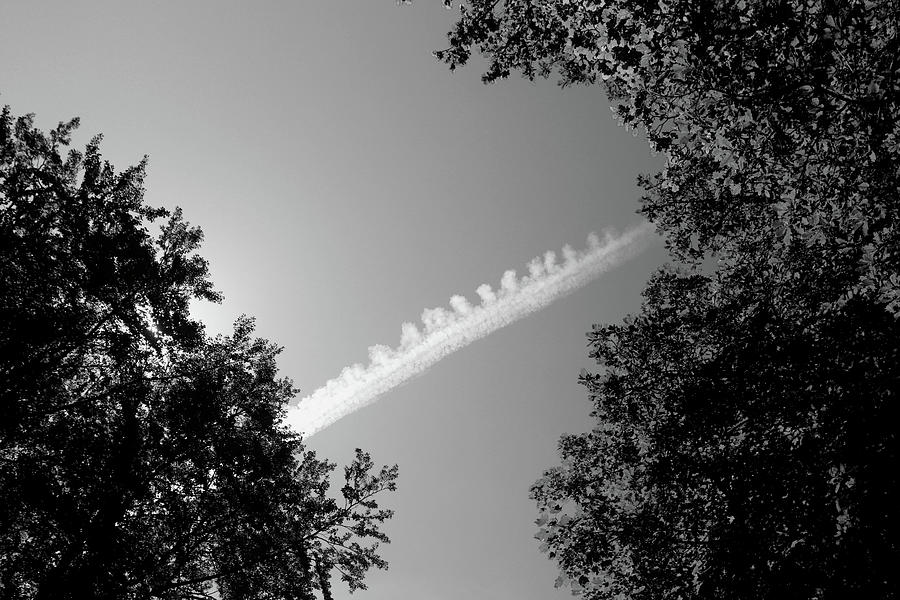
140 458
743 449
742 446
778 118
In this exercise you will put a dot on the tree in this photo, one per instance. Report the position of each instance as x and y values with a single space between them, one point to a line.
742 446
140 458
778 118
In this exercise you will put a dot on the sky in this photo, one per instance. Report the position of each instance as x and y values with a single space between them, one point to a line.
345 181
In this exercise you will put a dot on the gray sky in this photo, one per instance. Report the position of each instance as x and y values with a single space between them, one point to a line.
345 181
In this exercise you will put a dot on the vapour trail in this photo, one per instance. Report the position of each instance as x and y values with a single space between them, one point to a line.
446 331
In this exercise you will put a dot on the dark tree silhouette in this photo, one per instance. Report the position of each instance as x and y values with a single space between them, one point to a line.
778 118
743 445
140 458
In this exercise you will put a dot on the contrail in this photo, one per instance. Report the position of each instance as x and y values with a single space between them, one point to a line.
446 331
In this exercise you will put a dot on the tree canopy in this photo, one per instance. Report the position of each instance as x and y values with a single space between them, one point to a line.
777 118
742 445
140 458
741 450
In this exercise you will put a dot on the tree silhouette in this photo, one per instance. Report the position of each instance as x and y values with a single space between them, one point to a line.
777 118
140 458
743 445
744 448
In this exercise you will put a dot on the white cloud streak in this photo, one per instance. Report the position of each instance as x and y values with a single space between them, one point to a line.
446 331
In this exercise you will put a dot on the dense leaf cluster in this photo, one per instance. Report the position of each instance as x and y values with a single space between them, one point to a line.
140 458
743 446
778 118
741 451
